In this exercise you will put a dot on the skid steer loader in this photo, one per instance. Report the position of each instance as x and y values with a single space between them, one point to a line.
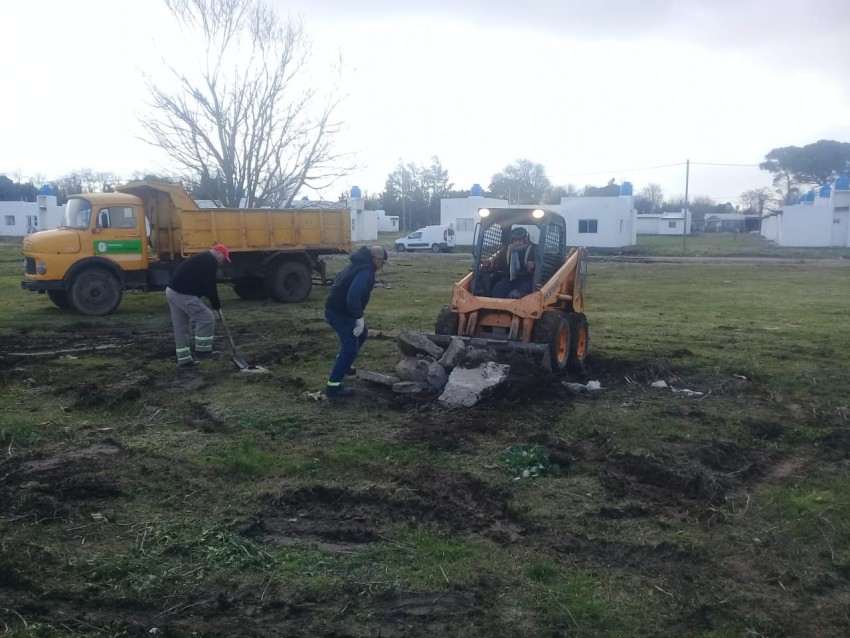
546 324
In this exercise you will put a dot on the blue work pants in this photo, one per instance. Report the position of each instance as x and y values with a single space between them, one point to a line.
349 345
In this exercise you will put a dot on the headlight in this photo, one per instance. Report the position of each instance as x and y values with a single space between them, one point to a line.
40 268
538 213
483 212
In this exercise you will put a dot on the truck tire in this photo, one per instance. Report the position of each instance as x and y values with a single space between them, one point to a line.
399 248
59 299
435 248
289 282
250 288
579 342
553 329
95 292
447 322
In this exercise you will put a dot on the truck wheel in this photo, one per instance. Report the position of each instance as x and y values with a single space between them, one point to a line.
289 282
59 299
447 322
553 329
579 342
435 248
95 292
250 288
399 248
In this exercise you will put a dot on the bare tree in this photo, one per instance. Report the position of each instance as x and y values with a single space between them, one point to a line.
654 196
758 200
523 182
249 118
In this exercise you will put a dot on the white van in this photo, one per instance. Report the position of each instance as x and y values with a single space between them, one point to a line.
437 239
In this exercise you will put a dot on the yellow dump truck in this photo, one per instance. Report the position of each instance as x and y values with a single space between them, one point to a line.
133 239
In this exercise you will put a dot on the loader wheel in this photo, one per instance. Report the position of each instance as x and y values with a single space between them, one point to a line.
59 299
447 322
250 288
580 342
289 282
95 292
553 329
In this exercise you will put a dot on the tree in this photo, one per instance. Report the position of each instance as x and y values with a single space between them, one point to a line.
84 180
249 120
758 201
650 199
414 193
815 163
557 192
612 189
522 182
17 190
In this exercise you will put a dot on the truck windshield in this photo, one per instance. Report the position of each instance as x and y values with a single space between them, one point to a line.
77 214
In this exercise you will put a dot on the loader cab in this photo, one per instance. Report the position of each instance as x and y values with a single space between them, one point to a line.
546 230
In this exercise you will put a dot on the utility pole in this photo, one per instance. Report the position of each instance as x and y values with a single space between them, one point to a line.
403 214
687 206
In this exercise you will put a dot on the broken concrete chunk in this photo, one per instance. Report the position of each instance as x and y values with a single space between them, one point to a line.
413 343
574 387
377 377
659 384
474 357
467 386
422 369
409 387
453 354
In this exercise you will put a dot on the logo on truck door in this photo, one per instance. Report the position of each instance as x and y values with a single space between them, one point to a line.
117 246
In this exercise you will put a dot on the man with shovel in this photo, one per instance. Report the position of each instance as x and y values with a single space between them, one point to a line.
195 278
344 311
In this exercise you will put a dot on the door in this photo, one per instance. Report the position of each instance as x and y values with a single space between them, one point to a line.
414 240
117 235
839 228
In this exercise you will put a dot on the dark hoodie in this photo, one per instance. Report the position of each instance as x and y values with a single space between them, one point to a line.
353 285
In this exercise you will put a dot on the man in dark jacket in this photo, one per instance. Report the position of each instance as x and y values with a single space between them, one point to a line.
195 278
515 263
344 311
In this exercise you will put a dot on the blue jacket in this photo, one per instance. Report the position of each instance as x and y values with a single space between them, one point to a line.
353 285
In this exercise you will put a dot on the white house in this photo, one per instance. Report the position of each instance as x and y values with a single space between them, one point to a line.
387 223
815 221
664 224
591 221
23 218
364 223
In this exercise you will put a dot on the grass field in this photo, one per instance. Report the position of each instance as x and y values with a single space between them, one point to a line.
138 500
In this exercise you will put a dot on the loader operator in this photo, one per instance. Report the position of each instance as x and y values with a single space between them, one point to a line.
512 267
195 278
344 308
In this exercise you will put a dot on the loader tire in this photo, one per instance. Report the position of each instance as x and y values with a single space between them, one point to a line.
95 292
59 299
553 329
250 288
579 342
289 282
447 322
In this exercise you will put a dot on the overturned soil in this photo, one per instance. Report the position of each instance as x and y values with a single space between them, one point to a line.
643 514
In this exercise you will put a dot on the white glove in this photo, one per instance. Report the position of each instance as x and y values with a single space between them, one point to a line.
359 327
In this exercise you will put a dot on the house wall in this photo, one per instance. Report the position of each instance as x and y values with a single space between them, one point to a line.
387 223
616 225
364 223
814 224
661 224
16 218
461 213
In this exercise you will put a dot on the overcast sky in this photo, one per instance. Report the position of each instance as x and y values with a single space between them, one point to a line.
593 90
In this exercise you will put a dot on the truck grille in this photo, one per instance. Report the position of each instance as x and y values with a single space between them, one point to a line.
29 265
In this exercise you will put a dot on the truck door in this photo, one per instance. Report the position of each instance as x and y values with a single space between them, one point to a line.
118 236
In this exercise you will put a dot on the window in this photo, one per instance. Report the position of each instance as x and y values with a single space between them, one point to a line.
10 220
465 224
414 236
671 224
116 217
587 225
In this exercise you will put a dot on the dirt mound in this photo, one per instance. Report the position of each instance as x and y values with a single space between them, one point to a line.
459 504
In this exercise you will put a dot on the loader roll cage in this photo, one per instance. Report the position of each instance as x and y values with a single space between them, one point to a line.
493 232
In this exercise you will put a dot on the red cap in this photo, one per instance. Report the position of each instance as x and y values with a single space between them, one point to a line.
223 250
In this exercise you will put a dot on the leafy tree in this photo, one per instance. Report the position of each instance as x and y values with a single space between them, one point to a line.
17 191
522 182
250 121
816 163
758 201
413 193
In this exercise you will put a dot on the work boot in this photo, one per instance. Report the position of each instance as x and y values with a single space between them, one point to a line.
212 354
333 391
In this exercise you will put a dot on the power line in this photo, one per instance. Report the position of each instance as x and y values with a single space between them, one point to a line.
623 170
721 164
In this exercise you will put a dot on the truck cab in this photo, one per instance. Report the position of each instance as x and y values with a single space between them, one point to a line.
99 248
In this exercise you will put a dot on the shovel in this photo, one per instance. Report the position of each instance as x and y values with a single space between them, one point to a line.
237 358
